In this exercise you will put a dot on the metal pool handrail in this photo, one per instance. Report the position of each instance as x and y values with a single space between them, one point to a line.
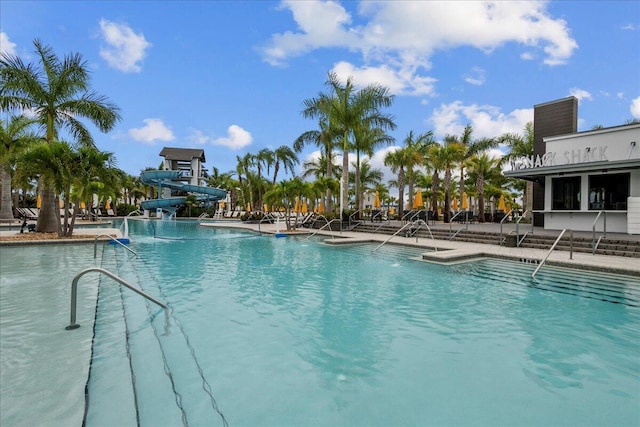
74 293
595 244
323 227
518 240
95 245
533 275
409 224
460 229
502 239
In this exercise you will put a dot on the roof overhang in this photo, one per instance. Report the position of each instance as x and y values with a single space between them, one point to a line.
535 174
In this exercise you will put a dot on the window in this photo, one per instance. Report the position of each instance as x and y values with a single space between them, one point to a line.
609 192
565 193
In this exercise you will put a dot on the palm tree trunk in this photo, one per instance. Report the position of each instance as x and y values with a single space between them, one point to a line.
329 201
5 203
344 190
48 222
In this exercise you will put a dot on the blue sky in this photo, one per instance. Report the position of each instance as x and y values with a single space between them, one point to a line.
231 77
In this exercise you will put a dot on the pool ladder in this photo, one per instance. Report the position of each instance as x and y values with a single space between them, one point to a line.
74 293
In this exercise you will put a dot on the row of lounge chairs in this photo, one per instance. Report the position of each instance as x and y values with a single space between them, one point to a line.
33 213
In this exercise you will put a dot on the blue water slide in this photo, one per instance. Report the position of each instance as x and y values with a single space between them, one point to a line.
170 179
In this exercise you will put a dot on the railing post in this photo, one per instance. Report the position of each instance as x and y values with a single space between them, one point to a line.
570 244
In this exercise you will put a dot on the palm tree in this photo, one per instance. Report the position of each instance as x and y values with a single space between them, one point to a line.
444 157
367 139
285 156
54 163
14 138
482 168
416 149
326 140
345 109
396 160
58 94
470 148
520 146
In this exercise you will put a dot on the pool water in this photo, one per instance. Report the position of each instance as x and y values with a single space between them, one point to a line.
296 332
291 332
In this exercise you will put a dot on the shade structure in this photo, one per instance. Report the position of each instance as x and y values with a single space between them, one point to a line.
304 207
501 204
321 207
417 201
376 200
455 204
465 202
38 202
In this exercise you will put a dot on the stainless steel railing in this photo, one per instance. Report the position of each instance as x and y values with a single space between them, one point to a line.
74 293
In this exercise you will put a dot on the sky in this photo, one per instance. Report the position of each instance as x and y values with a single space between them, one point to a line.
230 77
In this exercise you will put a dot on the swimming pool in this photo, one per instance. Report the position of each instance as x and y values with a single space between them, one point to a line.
269 331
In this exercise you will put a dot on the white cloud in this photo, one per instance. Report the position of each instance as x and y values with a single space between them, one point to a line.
408 33
630 27
475 77
6 46
581 94
236 138
487 121
399 82
125 49
153 130
635 108
197 137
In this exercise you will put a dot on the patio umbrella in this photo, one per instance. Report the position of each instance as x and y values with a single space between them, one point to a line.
376 201
321 207
61 203
248 207
83 205
455 203
38 202
266 208
107 204
501 204
417 201
304 207
221 204
465 202
296 207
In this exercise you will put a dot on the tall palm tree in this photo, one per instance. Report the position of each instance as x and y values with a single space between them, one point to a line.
57 91
396 161
347 108
326 139
416 149
470 147
14 138
519 146
367 139
482 168
443 158
285 156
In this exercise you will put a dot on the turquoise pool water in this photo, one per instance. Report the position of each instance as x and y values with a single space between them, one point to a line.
290 332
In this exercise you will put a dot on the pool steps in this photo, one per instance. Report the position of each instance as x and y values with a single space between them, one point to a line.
181 396
605 287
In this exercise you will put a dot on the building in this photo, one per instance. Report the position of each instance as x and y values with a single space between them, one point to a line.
188 161
582 180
